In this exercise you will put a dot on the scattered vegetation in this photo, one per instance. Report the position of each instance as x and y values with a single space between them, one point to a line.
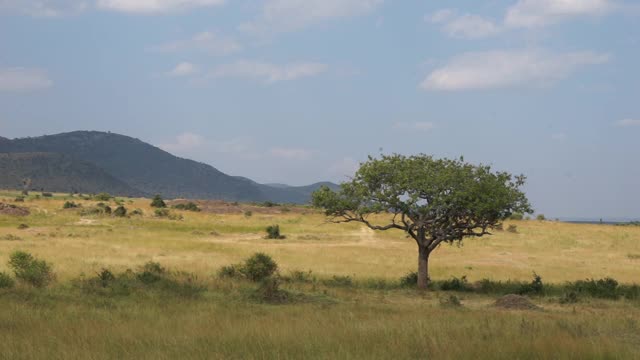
273 232
120 211
190 206
102 197
6 281
70 205
31 270
157 202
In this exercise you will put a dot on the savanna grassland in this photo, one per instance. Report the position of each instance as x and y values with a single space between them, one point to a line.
343 294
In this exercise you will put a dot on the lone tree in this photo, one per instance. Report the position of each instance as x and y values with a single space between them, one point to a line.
157 202
433 201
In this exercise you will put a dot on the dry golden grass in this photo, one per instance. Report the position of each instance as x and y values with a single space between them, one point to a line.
62 322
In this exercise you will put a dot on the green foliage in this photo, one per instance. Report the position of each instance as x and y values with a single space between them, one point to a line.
120 211
248 213
516 216
259 266
70 205
269 291
190 206
47 194
456 284
300 276
230 271
31 270
6 281
157 202
606 288
535 287
151 272
161 212
409 280
99 209
540 217
570 297
105 277
102 197
137 212
19 199
273 232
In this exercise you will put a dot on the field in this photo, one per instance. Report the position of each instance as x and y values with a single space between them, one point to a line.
350 305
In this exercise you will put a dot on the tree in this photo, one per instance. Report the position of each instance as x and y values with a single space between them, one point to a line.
157 202
433 201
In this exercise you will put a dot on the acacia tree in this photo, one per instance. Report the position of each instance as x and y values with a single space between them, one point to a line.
433 201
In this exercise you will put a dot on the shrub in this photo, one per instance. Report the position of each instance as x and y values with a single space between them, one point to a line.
157 202
102 197
606 288
47 194
269 291
301 276
161 212
31 270
23 226
535 287
70 205
455 284
137 212
248 213
150 273
105 277
540 217
570 297
6 281
120 211
19 199
259 266
516 216
230 271
269 204
273 232
190 206
512 229
409 280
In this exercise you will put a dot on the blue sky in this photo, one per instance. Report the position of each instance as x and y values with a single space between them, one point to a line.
297 91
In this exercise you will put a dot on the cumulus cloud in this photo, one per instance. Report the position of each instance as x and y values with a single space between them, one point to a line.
207 42
501 69
628 122
290 153
183 69
43 8
533 13
154 6
463 26
290 15
268 72
19 79
420 126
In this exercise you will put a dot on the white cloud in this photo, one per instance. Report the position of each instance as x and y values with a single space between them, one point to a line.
420 126
184 142
290 153
18 79
533 13
464 26
268 72
183 69
155 6
628 122
290 15
500 69
43 8
208 42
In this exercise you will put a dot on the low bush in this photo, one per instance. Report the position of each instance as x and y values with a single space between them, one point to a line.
248 213
456 284
230 271
23 226
516 216
190 206
269 291
47 194
299 276
541 217
535 287
19 199
6 281
409 280
31 270
137 212
606 288
570 297
120 211
102 197
150 273
273 232
70 205
161 212
259 266
157 202
339 280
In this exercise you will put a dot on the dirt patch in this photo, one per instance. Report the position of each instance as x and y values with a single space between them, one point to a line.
9 209
515 302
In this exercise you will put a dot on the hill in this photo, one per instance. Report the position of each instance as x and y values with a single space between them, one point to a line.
152 170
59 173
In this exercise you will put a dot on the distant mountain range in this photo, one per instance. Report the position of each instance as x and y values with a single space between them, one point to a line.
92 161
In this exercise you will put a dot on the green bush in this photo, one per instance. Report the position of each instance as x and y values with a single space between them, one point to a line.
120 211
6 281
269 291
606 288
23 226
190 206
273 232
456 284
47 194
157 202
540 217
535 287
248 213
516 216
230 271
161 212
409 280
70 205
339 280
137 212
19 199
151 272
31 270
570 297
102 197
259 266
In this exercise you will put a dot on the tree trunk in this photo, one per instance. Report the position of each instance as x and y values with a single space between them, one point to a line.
423 267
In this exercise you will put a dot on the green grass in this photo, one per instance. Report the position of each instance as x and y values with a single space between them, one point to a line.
350 305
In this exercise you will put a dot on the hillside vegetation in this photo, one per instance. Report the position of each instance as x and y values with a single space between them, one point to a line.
340 293
143 167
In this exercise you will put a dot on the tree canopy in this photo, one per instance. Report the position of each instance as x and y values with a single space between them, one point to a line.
431 200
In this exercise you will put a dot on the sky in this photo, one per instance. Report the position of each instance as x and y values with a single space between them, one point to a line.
299 91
